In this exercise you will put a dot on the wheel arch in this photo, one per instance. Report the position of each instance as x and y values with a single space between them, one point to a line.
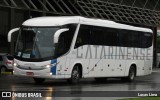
79 67
128 66
135 66
3 66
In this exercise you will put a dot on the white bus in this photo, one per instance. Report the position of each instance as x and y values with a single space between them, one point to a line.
74 47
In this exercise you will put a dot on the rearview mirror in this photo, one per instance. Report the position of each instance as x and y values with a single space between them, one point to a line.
58 33
11 32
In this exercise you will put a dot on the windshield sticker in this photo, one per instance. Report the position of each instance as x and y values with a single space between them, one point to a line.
26 55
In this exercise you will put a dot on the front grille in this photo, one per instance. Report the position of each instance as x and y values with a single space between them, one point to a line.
30 68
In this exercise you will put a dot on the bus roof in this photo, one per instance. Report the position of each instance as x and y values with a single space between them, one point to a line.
62 20
51 21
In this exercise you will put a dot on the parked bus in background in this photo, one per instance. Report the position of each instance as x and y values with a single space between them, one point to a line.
75 47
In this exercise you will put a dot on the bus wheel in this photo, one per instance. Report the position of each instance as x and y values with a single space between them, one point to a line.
39 80
132 74
75 75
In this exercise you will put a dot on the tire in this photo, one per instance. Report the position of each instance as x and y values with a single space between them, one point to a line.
39 80
159 65
3 69
131 75
75 76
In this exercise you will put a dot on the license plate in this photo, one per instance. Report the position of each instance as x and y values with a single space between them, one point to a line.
29 73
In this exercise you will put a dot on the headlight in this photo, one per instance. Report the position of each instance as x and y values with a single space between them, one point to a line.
15 64
49 65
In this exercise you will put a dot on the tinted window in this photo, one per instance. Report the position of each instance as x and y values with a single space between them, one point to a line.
94 35
110 37
1 58
97 36
104 36
137 39
83 37
147 40
125 38
65 39
134 39
10 57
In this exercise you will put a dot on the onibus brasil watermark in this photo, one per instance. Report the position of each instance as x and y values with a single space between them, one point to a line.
22 94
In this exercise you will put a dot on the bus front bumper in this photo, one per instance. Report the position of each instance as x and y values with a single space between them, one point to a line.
46 73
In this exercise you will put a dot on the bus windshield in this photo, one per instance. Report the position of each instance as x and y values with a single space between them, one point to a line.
35 43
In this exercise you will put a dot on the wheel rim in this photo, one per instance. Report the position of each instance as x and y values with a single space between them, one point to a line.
3 69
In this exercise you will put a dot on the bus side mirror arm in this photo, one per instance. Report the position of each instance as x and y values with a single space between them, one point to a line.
57 34
11 32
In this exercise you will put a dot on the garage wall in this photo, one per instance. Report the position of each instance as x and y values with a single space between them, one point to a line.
4 26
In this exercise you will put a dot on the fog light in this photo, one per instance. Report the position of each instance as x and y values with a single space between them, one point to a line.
50 73
13 71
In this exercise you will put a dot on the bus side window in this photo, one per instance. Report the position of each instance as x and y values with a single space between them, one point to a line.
110 37
97 36
65 39
61 44
83 36
147 37
125 38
